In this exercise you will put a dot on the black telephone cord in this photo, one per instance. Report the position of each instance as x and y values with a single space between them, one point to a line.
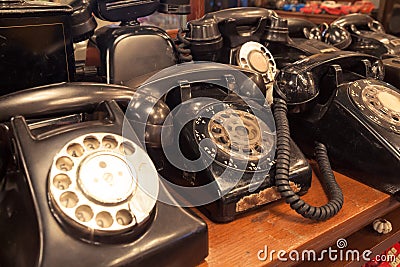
183 47
328 181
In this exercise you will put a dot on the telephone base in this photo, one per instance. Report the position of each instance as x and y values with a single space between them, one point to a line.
241 199
392 70
39 234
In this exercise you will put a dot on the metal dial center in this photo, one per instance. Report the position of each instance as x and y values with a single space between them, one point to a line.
389 100
106 178
258 61
240 133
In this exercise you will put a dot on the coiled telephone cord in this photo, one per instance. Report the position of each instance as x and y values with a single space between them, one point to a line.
327 178
183 47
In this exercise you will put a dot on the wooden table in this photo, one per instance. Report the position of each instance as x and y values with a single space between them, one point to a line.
237 243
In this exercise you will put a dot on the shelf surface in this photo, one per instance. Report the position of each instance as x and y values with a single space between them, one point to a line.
279 228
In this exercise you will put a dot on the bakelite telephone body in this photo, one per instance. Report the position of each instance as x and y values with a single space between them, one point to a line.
241 170
130 50
339 100
78 193
36 44
368 36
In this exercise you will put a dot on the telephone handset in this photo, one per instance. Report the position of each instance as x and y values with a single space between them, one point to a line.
226 135
335 99
75 188
302 28
368 35
290 39
233 36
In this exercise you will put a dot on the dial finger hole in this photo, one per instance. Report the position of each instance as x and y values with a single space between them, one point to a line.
75 150
216 130
248 117
91 143
61 181
234 147
104 219
225 116
247 150
243 60
258 148
127 148
395 118
69 199
64 164
263 49
124 217
223 139
84 213
109 142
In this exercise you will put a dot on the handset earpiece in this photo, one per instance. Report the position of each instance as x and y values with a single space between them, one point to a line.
376 26
337 36
60 99
83 22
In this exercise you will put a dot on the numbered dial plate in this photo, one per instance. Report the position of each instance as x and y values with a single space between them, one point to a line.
238 135
379 103
255 56
99 182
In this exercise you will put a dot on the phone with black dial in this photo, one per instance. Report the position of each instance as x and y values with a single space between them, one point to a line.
218 119
339 99
368 36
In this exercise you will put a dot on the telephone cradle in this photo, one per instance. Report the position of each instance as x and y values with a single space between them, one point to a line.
340 101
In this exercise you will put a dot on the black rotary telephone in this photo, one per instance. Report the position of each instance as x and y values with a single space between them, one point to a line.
233 36
36 43
130 50
368 36
337 99
78 193
226 134
254 38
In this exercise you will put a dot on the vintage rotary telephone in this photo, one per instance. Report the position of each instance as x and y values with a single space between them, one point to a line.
368 36
36 43
130 50
233 36
336 99
78 193
253 38
229 143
